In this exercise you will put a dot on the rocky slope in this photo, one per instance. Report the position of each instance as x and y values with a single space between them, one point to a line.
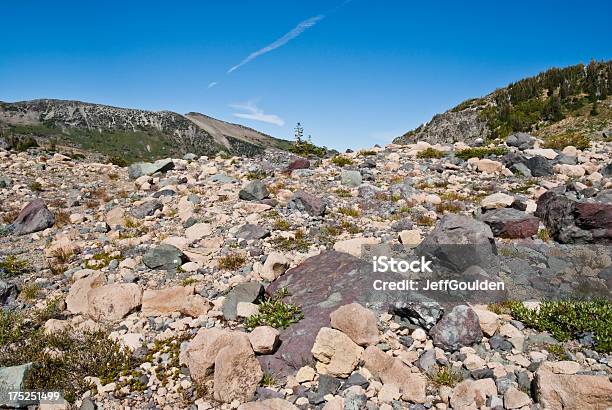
211 282
128 134
570 100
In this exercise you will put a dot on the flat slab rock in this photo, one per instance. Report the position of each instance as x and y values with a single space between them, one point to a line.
320 285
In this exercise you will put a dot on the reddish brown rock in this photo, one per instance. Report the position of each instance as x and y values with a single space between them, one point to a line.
34 217
511 223
298 163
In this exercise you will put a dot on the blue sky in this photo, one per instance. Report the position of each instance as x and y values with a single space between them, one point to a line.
354 73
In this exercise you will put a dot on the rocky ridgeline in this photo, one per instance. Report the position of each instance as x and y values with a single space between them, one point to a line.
249 272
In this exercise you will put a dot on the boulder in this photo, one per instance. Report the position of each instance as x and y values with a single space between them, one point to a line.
410 237
547 153
250 231
497 200
489 166
198 231
520 140
77 300
275 265
34 217
459 241
244 292
472 394
356 322
12 379
304 201
392 371
564 391
114 301
166 257
147 208
337 354
115 217
320 285
539 166
147 168
351 178
489 321
174 299
570 221
264 339
268 404
354 246
202 350
237 374
254 191
298 163
511 223
423 314
515 399
460 327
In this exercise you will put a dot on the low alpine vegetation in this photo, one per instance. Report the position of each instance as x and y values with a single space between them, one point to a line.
275 312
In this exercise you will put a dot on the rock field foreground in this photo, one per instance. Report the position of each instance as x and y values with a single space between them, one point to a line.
179 263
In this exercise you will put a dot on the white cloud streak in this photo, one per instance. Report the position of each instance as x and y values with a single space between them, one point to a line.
256 114
296 31
212 84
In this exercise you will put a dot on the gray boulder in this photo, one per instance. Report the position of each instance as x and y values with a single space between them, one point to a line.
458 242
423 314
166 257
460 327
254 191
147 209
539 166
149 168
351 178
34 217
520 140
11 380
245 292
5 182
251 231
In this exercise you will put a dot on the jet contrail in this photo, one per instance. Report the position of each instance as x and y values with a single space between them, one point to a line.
296 31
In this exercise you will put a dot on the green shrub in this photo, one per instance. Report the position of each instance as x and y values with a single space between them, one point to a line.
299 242
341 161
366 153
561 141
232 261
60 360
11 266
118 161
306 149
567 319
430 153
35 186
480 152
445 376
276 313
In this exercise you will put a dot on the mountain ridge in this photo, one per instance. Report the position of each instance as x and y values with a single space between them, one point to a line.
575 97
129 133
